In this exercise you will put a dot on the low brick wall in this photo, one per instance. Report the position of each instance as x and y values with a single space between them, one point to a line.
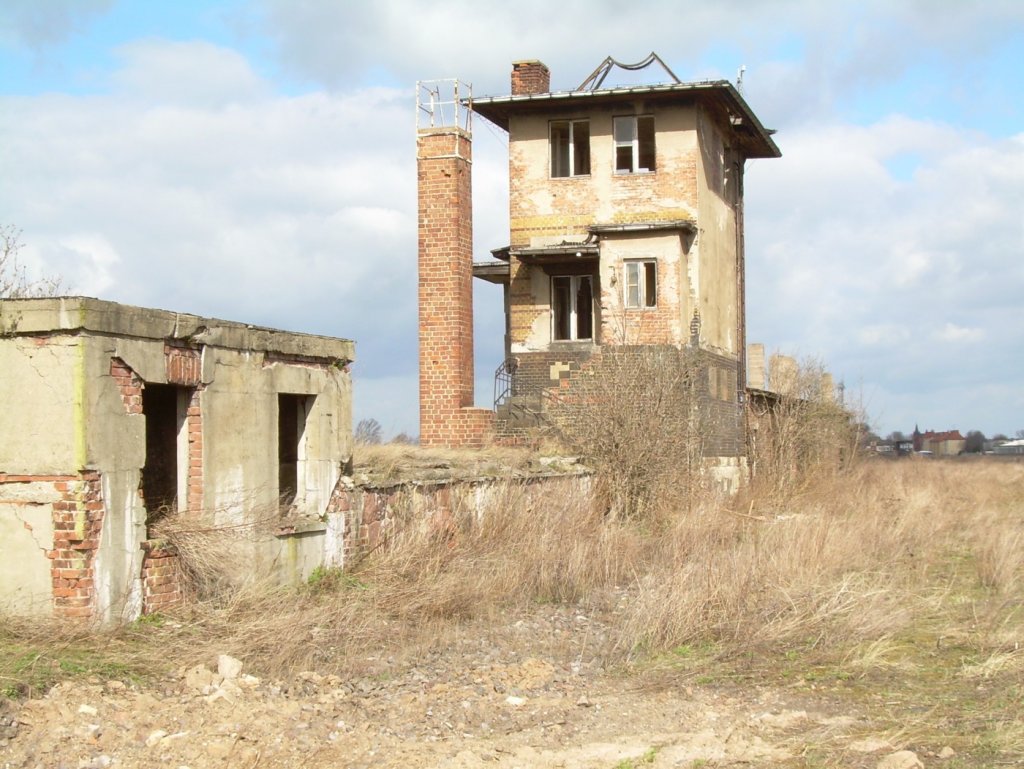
361 517
163 587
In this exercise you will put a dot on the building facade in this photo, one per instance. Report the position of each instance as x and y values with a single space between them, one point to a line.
626 228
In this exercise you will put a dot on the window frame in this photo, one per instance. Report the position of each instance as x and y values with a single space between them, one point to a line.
573 155
636 143
574 314
645 283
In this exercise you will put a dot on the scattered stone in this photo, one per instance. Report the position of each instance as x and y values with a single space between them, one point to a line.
200 679
155 737
115 686
901 759
583 702
87 710
515 701
947 752
228 667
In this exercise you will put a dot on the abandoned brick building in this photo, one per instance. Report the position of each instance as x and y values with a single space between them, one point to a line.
626 228
115 415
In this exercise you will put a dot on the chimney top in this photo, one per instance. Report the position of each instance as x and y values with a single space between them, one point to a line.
530 76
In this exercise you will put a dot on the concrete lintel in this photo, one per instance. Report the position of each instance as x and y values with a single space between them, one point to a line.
76 314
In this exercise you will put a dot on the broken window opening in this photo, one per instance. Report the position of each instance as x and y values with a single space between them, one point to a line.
634 144
570 148
164 473
292 411
572 307
641 285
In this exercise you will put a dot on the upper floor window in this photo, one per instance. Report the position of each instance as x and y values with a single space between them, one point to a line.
570 148
572 307
641 284
634 144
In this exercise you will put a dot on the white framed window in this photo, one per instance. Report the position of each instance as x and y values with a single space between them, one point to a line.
641 284
572 307
634 144
570 148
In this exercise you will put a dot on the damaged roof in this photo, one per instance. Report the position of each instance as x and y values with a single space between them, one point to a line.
758 140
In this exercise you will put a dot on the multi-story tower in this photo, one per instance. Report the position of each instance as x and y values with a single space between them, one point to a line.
626 224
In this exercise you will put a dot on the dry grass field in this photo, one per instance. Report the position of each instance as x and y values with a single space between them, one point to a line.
877 609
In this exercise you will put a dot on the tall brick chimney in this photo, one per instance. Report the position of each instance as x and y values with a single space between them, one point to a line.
530 76
444 165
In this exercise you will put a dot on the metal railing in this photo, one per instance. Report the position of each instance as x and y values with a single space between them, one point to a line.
505 381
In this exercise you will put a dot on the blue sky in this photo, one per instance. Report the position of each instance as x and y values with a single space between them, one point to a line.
255 161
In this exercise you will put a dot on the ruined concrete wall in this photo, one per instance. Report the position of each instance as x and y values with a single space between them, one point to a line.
73 443
362 517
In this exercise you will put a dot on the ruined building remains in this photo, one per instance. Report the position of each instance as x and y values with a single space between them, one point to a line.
115 417
626 228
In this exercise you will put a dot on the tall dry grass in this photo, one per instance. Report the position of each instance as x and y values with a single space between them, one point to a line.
859 557
855 560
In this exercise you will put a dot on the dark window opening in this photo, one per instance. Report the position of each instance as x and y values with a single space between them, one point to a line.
570 148
291 425
572 307
165 418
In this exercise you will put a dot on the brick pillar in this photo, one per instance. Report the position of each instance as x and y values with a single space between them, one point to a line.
445 282
530 77
445 279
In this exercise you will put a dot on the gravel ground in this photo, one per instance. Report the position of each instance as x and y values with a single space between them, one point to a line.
530 692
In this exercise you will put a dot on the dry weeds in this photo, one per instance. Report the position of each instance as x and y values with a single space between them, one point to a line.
891 571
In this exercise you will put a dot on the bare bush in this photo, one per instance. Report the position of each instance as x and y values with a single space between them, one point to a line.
639 416
800 435
14 281
215 558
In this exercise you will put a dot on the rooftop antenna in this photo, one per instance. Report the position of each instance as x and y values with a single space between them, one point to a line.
739 77
596 78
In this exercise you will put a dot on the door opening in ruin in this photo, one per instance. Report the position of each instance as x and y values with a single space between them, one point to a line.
292 411
164 474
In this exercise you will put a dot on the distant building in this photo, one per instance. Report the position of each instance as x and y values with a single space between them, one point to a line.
1010 448
942 444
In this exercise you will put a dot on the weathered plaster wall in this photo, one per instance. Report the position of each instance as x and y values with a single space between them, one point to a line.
26 531
240 466
42 420
668 322
543 209
716 258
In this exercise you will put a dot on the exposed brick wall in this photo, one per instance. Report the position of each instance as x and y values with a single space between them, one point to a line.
77 525
129 384
194 422
530 77
184 365
446 290
540 370
162 583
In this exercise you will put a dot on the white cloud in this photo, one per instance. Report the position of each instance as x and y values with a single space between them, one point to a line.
192 73
879 244
950 332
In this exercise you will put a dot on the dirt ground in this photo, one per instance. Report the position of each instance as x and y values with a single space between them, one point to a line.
530 691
